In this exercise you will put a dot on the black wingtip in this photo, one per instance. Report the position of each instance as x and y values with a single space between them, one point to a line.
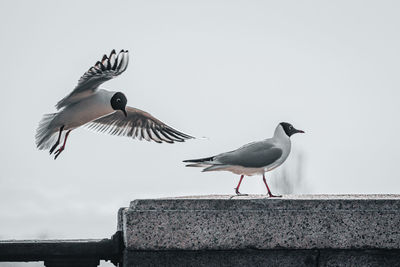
178 135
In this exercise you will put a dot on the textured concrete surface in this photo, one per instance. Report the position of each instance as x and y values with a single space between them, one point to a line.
259 222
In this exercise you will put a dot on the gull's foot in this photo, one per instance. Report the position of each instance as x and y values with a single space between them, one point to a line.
53 147
271 195
58 152
238 193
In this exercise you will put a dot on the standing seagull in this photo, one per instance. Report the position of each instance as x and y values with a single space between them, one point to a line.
102 110
254 158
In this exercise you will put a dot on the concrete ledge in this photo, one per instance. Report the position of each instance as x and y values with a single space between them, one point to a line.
257 222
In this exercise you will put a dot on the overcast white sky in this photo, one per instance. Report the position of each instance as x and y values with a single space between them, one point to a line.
228 70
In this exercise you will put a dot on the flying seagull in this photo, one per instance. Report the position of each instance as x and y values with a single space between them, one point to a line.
102 110
254 158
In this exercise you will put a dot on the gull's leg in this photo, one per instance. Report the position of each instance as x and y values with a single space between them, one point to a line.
58 140
269 191
237 188
61 149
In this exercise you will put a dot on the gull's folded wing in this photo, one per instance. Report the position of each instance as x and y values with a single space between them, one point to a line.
255 155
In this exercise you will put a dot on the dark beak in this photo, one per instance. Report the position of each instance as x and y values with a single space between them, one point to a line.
124 111
299 131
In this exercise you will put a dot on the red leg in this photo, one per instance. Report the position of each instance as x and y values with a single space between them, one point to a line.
237 188
269 191
61 149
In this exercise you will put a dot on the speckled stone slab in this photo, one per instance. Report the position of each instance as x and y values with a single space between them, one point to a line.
259 222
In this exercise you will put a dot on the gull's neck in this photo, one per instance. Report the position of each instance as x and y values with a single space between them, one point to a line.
280 134
282 141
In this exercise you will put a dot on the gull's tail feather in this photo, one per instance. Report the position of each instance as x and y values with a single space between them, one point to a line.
215 168
45 136
196 165
204 160
209 164
208 167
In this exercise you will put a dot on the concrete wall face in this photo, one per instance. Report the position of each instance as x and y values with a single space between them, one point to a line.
222 258
305 229
271 258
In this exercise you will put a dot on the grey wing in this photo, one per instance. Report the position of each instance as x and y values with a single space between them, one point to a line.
138 124
255 155
104 70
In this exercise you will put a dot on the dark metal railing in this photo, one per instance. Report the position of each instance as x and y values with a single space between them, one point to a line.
57 253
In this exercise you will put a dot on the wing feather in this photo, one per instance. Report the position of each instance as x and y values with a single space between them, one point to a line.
255 155
138 124
106 69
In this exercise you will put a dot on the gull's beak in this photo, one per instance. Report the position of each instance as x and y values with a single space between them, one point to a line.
299 131
124 111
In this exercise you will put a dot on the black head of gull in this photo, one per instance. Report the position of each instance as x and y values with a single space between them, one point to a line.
118 102
289 129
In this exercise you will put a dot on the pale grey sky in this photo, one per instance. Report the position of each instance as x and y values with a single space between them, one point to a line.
228 70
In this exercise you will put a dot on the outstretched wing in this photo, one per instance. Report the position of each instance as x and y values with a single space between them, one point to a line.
102 71
138 124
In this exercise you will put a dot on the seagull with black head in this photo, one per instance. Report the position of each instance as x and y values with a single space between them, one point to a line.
102 110
254 158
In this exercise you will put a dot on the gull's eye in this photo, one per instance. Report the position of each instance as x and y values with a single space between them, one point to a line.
118 100
290 127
